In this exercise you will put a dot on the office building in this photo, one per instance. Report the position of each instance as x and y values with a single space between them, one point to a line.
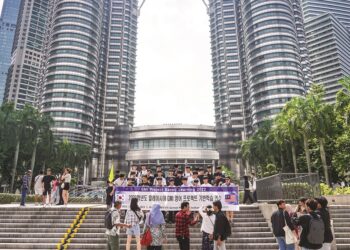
259 61
327 26
338 8
24 72
8 21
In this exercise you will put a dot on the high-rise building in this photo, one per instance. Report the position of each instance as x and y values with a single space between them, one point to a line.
259 61
76 61
8 20
338 8
327 26
24 72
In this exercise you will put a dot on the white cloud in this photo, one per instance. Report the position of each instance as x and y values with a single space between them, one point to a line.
174 83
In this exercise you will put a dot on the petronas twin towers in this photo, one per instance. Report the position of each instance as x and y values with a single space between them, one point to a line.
76 60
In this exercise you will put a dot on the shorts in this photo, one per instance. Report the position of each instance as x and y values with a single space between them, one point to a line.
47 192
66 186
134 230
38 191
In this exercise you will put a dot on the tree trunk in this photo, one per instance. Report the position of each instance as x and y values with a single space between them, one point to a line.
14 167
294 156
283 161
307 153
323 159
32 162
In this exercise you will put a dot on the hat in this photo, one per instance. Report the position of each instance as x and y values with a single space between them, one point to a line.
187 166
194 172
159 178
218 167
205 177
184 178
210 167
171 179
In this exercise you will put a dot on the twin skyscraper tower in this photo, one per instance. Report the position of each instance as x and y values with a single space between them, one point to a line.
76 60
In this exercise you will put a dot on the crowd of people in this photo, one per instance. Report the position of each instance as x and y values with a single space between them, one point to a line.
307 227
215 226
49 189
176 177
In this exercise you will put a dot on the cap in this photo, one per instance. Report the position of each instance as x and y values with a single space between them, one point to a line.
171 179
184 178
187 166
159 178
205 177
194 172
218 167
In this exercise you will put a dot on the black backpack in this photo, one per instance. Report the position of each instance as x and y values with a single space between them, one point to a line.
316 231
108 219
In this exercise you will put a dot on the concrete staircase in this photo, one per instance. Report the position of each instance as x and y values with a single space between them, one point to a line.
34 227
341 222
250 231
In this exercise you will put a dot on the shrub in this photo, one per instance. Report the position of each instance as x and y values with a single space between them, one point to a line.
327 190
295 190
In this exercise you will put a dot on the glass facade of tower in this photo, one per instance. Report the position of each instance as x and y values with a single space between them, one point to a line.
24 72
260 62
8 20
338 8
327 25
72 69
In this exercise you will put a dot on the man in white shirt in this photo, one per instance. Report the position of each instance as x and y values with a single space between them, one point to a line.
206 182
188 172
185 182
194 177
207 227
121 181
113 234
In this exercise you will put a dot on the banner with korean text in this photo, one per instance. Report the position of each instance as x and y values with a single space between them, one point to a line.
170 198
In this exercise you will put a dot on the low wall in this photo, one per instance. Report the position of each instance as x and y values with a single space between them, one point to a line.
338 199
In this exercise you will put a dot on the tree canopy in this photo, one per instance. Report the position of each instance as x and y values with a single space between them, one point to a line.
308 135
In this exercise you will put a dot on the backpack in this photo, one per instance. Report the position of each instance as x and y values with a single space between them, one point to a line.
316 231
108 220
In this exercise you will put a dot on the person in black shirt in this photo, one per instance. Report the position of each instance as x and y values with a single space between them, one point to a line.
178 178
109 194
144 181
304 222
201 174
47 179
247 192
322 210
218 181
278 220
150 177
210 174
221 224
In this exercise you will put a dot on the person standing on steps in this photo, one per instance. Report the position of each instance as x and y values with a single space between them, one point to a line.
47 179
156 223
38 187
207 228
113 234
133 217
183 221
255 195
322 210
247 189
25 187
279 219
66 179
222 227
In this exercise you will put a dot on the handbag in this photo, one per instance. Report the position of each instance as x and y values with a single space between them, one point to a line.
290 237
147 236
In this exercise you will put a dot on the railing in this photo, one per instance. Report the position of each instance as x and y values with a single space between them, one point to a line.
88 194
289 187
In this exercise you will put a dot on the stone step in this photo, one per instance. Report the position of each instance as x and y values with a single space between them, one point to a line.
344 240
21 245
35 225
342 229
337 220
251 246
24 231
343 246
341 215
31 240
32 235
